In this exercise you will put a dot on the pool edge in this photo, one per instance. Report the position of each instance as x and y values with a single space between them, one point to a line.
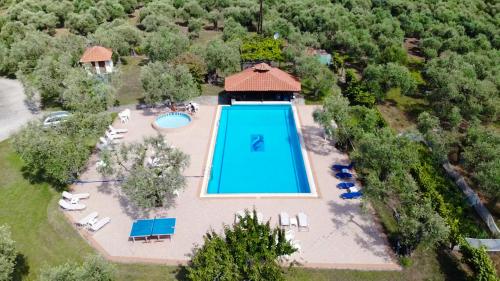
305 156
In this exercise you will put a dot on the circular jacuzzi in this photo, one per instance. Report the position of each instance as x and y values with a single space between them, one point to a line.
172 120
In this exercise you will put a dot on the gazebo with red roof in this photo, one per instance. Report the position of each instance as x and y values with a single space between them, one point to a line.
262 82
98 58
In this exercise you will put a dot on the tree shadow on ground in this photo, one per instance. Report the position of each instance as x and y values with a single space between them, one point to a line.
181 273
22 268
314 140
369 234
450 266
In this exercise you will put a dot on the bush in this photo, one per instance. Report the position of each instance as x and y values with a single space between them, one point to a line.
479 262
8 254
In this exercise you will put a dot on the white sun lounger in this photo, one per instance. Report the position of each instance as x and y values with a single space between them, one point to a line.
302 219
114 130
70 207
99 224
108 142
289 235
284 219
112 137
78 196
86 220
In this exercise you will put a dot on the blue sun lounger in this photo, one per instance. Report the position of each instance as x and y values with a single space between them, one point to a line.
156 227
351 195
345 185
339 167
343 175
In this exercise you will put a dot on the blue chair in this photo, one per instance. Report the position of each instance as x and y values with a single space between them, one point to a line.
343 175
351 195
338 167
345 185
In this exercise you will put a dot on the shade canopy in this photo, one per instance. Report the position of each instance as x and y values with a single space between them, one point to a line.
262 78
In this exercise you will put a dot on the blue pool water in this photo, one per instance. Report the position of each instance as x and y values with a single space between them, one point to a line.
257 151
173 120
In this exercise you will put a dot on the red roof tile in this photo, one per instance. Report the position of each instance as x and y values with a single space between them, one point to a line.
96 53
262 78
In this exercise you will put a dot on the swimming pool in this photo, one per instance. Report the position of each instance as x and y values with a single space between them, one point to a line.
258 150
172 120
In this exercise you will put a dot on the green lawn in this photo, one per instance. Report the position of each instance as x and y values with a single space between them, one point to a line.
401 111
131 90
44 237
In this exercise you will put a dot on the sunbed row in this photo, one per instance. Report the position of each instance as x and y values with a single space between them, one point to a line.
343 172
71 202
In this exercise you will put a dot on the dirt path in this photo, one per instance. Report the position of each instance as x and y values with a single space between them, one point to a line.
13 111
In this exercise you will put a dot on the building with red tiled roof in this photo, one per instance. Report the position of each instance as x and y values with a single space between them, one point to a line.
262 82
98 58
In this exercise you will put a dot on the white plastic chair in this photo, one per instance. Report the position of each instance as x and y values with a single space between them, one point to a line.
99 224
284 219
71 207
87 219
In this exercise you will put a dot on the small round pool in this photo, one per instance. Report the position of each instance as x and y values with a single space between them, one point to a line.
172 120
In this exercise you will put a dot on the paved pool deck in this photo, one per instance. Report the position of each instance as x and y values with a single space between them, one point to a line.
341 234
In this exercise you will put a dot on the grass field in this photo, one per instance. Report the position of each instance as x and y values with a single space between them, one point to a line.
401 111
45 238
131 90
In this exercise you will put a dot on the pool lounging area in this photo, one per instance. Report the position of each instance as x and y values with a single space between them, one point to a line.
257 150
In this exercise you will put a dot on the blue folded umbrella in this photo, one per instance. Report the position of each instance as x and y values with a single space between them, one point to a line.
345 185
343 175
351 195
339 167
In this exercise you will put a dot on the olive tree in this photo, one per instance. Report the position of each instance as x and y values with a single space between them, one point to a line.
165 45
248 250
8 254
151 171
222 58
162 81
93 268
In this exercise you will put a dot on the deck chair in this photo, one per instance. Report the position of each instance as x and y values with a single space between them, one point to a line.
351 195
99 224
86 220
71 196
284 220
303 222
70 207
115 131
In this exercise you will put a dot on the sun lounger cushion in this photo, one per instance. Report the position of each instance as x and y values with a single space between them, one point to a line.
351 195
345 185
284 219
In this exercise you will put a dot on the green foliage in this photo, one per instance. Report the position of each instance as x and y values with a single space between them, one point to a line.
233 30
148 184
481 154
479 261
162 81
58 154
222 58
357 92
317 80
257 48
94 268
195 63
164 45
248 251
8 254
118 35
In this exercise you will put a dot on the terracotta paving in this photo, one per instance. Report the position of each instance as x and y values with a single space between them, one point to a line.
341 235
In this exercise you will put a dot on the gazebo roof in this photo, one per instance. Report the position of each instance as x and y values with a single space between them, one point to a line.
262 78
96 53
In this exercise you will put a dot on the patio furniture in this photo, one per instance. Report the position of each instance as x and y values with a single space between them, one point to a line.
303 222
353 189
343 175
284 219
86 220
124 115
71 196
339 167
293 221
345 185
108 142
95 226
156 227
351 195
112 137
113 130
70 207
238 216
